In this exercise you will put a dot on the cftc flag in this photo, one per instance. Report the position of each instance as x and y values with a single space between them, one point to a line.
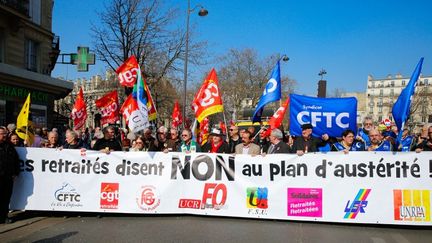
24 128
401 109
272 92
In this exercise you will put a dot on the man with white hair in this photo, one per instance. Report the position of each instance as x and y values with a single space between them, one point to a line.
277 145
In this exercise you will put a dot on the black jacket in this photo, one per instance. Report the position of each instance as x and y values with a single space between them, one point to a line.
223 149
280 148
9 161
312 144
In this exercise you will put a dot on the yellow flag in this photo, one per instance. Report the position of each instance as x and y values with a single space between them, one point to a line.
24 126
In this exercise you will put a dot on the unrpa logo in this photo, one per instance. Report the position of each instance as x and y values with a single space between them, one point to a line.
358 205
147 199
411 205
109 196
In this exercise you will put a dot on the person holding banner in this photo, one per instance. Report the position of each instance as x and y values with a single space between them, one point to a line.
188 145
377 141
9 170
108 143
247 147
234 138
217 144
425 140
306 143
52 140
277 146
348 143
407 141
363 133
71 140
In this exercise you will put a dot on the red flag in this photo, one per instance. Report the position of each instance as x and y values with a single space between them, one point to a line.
222 127
109 107
208 100
79 111
176 116
127 72
276 119
204 130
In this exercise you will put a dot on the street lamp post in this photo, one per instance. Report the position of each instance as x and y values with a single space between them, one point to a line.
203 12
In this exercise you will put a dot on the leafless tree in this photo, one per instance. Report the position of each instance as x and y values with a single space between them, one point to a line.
243 76
146 29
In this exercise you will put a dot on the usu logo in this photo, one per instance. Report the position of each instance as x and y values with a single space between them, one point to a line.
214 196
357 205
411 205
109 196
257 200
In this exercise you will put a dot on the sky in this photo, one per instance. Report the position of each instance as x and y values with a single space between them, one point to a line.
349 39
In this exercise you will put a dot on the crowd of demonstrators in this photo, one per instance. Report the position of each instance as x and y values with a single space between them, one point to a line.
371 137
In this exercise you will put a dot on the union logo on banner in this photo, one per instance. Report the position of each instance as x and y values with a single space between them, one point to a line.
412 205
147 199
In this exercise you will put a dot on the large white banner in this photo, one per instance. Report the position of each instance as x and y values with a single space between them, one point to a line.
359 187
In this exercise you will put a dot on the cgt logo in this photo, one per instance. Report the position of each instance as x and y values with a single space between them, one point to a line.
411 205
357 205
147 199
257 200
214 196
109 196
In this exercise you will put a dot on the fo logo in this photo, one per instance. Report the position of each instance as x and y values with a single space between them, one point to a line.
147 199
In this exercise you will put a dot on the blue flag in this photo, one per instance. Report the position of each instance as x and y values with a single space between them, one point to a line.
272 92
401 108
329 116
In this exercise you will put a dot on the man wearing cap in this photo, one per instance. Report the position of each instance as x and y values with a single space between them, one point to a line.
217 144
277 146
306 143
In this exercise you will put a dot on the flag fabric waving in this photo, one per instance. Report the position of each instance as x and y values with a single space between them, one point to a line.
24 128
133 116
176 116
79 111
109 107
141 93
127 72
208 100
401 109
272 92
277 118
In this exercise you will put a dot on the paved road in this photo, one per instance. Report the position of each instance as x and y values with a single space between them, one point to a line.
118 228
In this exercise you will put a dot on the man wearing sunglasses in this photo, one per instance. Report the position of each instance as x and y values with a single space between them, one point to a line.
234 138
188 145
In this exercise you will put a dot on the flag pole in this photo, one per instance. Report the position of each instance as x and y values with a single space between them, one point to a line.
226 127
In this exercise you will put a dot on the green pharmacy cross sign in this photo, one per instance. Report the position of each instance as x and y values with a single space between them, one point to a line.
83 58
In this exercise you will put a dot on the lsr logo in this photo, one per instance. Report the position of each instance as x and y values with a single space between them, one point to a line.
109 196
214 196
357 205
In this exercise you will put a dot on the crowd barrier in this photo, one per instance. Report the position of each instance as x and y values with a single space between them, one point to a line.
359 187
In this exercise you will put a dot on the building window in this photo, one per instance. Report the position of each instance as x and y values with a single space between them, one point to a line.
379 118
403 82
391 92
423 119
426 81
31 51
430 119
381 92
35 11
373 84
392 83
380 110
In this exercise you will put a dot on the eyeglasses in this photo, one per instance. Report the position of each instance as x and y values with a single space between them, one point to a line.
368 124
184 135
139 142
231 130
